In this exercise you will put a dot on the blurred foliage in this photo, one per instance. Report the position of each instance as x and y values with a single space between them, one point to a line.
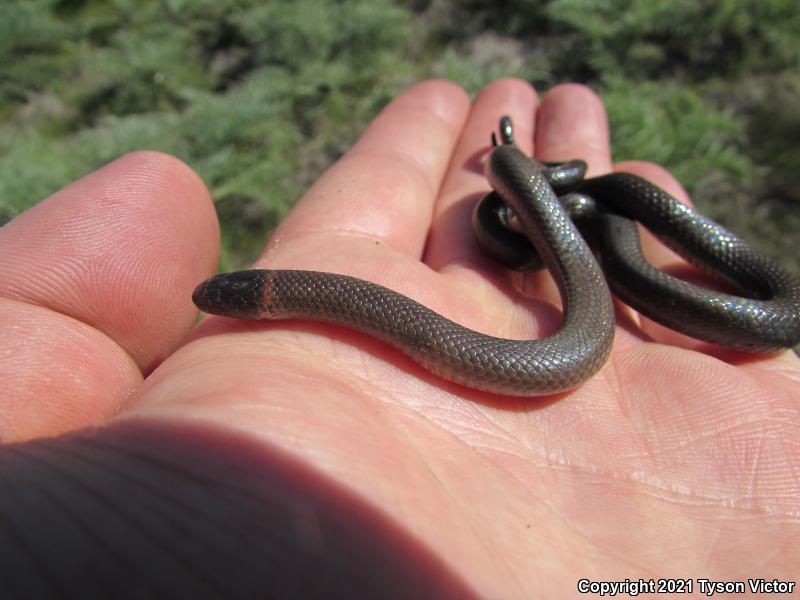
260 96
257 97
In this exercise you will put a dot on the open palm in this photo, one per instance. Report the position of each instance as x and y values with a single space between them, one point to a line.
676 461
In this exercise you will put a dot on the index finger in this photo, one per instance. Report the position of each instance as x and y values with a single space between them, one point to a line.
379 197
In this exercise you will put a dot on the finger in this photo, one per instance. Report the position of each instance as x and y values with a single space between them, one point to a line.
96 288
451 243
486 294
452 247
571 123
376 202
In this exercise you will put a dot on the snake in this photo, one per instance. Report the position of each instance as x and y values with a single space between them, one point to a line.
584 231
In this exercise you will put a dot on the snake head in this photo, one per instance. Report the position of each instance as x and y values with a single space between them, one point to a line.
240 294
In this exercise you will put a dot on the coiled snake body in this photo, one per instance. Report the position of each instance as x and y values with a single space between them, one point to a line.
766 317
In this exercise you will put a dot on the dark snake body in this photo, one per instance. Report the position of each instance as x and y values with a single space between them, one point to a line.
764 319
769 320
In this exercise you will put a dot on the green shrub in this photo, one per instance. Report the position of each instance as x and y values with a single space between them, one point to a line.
259 96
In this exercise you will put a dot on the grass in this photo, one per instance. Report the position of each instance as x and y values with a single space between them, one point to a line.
259 97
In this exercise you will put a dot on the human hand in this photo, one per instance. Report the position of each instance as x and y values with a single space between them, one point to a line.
348 454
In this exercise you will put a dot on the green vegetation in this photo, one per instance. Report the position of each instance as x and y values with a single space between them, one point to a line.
259 96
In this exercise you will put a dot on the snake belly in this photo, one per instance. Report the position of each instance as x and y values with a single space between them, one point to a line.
560 362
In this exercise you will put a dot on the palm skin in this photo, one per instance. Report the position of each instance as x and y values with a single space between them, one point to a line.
671 462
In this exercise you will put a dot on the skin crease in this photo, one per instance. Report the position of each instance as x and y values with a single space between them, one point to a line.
669 463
